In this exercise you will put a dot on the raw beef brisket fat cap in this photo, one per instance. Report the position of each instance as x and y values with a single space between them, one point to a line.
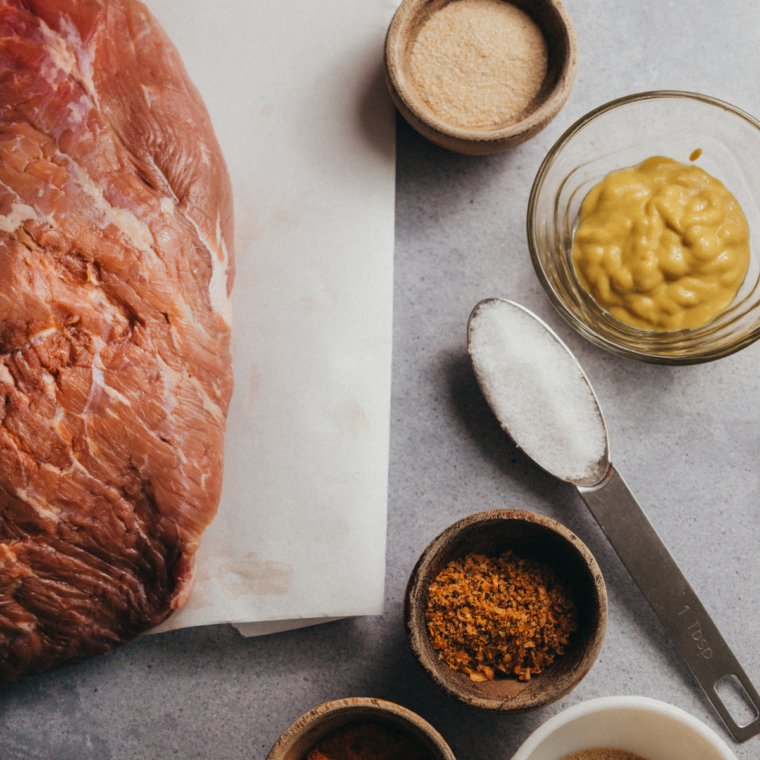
115 368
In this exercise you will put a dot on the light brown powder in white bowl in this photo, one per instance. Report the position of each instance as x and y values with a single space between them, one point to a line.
479 63
603 754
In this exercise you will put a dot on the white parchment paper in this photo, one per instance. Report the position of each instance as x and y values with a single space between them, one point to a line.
296 95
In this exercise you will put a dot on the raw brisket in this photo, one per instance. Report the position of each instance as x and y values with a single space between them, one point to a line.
115 368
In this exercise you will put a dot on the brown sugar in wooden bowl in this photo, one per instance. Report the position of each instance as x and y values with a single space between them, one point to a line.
318 724
529 536
562 63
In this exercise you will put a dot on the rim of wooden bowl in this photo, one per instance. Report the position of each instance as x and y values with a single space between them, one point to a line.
303 734
562 44
529 535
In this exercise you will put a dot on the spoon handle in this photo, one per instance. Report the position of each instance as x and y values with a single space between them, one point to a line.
672 598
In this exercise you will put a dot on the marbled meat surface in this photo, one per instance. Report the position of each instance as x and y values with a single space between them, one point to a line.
115 370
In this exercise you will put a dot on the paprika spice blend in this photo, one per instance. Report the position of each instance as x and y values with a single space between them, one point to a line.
506 610
499 615
369 741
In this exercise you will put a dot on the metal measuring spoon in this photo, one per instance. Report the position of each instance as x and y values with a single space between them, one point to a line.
589 468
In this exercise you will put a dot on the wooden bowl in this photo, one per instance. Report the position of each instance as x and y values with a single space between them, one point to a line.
309 729
529 535
562 47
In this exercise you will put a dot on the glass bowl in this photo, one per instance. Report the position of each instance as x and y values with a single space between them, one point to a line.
621 134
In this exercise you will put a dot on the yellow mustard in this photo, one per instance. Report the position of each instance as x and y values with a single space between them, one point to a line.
661 246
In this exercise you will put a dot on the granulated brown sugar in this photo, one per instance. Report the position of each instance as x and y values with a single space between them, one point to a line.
479 63
603 754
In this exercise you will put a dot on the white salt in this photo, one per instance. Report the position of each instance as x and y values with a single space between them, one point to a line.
537 390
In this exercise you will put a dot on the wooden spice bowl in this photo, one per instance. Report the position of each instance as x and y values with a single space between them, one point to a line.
529 536
303 735
562 49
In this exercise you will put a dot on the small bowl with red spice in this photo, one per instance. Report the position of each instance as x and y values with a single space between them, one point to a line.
480 76
360 729
506 611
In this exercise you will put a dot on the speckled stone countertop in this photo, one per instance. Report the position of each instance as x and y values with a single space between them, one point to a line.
686 439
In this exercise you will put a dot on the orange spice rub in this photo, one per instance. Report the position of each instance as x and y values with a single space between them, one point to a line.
507 614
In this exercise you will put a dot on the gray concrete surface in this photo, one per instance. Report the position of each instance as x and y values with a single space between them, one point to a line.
686 439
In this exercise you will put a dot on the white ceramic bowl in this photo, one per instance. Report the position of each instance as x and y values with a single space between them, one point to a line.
647 727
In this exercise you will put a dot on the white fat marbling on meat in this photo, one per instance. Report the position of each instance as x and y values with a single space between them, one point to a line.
112 393
50 387
146 90
7 556
61 57
42 334
96 377
136 231
168 392
80 109
219 257
103 303
55 424
125 221
98 381
209 405
170 403
219 299
83 54
38 503
68 55
19 214
5 375
74 464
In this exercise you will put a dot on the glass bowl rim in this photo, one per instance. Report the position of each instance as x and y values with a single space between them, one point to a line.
580 326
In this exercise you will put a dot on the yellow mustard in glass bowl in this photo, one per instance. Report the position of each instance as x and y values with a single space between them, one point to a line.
661 246
626 132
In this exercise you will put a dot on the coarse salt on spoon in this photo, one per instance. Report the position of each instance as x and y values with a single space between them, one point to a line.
543 400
